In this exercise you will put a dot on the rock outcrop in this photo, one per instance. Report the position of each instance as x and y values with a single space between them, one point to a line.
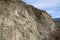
19 21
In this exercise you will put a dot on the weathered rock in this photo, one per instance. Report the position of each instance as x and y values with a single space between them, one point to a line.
19 21
56 35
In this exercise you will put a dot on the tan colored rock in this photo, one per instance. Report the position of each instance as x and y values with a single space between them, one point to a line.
19 21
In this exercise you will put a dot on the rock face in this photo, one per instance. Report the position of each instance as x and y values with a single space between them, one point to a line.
19 21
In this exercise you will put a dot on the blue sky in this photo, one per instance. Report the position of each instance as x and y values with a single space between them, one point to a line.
51 6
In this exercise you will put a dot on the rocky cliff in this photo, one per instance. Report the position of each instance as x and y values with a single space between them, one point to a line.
19 21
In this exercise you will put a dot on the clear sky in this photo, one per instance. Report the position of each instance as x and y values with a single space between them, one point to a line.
51 6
